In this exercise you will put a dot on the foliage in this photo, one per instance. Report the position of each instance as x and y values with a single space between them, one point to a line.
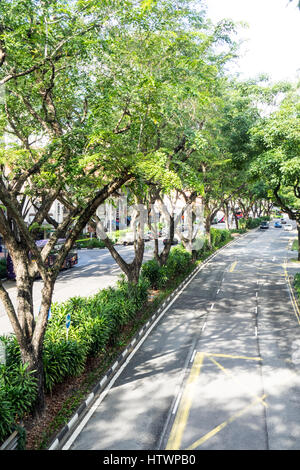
152 271
219 236
2 268
90 243
297 283
17 394
251 223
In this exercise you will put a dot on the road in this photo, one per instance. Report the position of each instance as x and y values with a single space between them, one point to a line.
220 370
96 269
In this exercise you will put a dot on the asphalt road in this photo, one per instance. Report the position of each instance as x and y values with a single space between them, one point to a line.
220 370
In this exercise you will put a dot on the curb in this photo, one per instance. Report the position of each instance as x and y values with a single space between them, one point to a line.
61 438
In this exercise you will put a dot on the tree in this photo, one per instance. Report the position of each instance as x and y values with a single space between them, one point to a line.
278 139
45 47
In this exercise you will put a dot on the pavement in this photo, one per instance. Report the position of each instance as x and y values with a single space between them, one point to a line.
220 370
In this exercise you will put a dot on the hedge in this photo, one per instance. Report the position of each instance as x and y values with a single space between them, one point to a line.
90 243
178 261
251 223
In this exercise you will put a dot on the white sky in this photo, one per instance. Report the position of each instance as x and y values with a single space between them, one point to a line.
273 36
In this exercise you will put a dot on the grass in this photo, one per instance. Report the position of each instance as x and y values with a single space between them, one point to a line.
295 245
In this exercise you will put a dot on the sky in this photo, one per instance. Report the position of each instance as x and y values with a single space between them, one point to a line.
273 36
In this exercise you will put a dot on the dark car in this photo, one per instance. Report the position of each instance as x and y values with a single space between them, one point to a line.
264 224
174 241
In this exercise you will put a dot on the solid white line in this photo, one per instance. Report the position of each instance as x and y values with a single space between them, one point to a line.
193 355
203 327
256 331
176 403
212 306
218 291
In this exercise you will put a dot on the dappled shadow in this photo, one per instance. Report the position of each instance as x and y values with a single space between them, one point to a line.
236 311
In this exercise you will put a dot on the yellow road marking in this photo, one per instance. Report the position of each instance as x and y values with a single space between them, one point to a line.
175 438
178 428
233 357
221 426
232 267
233 378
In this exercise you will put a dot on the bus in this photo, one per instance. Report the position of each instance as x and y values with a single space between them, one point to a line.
70 261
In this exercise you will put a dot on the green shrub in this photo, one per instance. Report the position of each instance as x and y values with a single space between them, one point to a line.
152 271
3 271
7 418
238 230
215 237
62 359
177 262
17 395
90 243
297 283
20 387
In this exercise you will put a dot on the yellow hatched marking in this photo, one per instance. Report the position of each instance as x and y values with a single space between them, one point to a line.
233 378
182 415
175 438
232 267
234 357
221 426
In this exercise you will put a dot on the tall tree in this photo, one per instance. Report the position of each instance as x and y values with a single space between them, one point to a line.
278 164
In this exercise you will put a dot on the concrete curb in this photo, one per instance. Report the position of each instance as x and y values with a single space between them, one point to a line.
61 438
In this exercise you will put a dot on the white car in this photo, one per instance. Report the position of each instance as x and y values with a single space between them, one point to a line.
288 227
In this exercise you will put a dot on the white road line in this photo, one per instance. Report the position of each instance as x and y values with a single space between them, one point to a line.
212 306
193 355
176 404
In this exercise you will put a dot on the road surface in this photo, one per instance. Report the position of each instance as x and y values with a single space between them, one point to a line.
220 370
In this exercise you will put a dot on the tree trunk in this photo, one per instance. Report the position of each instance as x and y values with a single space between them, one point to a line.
34 359
207 230
226 214
163 256
298 230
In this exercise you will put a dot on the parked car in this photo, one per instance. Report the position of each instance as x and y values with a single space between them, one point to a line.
264 224
174 241
277 225
288 227
283 220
